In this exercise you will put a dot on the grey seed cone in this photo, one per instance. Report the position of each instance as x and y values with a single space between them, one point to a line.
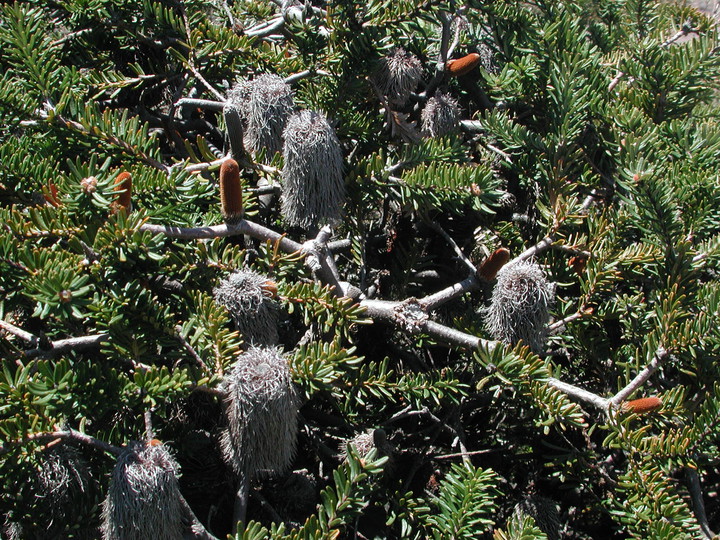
545 513
265 104
255 313
519 306
399 74
313 186
261 407
143 501
366 441
440 116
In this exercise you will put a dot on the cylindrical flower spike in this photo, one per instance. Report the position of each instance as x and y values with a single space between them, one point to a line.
314 190
545 513
642 405
492 265
231 199
143 500
123 185
262 407
440 116
519 306
248 296
461 66
268 109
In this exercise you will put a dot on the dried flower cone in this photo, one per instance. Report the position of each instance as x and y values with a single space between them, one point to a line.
440 116
642 405
123 185
492 265
399 75
545 513
143 501
248 296
519 306
314 189
267 110
262 407
461 66
231 200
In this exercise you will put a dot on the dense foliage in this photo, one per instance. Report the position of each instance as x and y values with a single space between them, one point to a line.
576 141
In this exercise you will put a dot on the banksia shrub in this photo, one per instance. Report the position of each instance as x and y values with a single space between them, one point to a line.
519 306
545 513
231 199
248 296
261 408
399 75
314 190
267 109
143 500
441 115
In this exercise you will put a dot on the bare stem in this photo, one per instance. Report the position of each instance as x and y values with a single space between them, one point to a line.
64 435
579 393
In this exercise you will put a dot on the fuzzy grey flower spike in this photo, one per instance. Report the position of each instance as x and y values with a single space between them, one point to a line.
262 407
519 306
314 189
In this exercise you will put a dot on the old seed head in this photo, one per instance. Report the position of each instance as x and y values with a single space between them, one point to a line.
314 190
544 511
262 407
143 500
399 74
249 297
265 104
519 306
440 116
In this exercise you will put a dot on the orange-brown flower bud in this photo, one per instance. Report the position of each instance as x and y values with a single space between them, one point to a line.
490 266
123 185
231 191
154 442
642 405
461 66
578 264
51 194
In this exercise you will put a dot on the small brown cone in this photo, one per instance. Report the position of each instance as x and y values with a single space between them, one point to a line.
461 66
642 405
123 184
231 191
490 266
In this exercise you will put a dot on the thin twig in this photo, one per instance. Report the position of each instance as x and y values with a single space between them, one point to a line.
64 435
63 346
19 332
467 262
467 454
202 103
439 298
660 355
579 393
